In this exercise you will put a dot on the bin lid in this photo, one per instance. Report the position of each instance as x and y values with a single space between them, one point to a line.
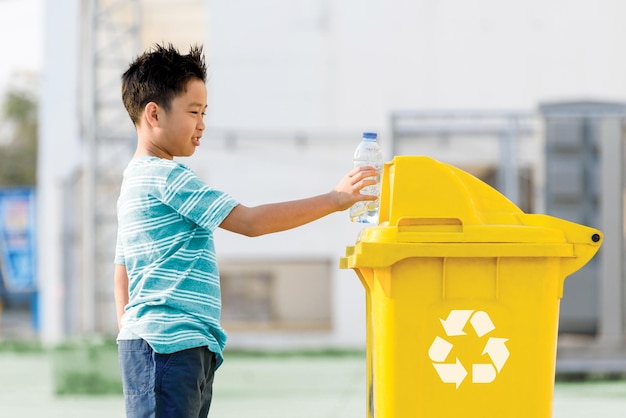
432 209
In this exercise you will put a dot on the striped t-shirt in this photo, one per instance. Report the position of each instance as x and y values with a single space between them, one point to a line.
166 219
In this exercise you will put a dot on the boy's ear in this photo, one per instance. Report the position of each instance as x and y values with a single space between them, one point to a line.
150 114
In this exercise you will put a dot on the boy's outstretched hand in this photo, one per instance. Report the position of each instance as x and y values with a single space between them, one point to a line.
348 191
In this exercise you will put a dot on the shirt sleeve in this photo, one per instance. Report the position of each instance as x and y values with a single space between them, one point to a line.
189 196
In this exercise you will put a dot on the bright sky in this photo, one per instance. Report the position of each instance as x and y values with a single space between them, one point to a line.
21 38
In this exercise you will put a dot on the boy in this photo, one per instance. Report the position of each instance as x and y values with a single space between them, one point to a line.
167 292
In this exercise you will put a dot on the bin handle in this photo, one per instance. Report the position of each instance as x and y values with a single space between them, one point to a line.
434 224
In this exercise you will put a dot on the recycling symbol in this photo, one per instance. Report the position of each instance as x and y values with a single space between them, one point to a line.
451 370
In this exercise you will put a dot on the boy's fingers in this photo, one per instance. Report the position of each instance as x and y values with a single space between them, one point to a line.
365 168
361 173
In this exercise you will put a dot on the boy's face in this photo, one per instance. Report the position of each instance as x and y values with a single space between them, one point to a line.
183 125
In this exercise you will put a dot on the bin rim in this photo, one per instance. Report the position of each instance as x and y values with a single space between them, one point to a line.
539 236
533 228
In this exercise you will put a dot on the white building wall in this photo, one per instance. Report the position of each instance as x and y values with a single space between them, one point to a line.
269 64
59 154
344 64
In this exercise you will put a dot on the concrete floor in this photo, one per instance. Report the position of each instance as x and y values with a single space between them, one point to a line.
263 387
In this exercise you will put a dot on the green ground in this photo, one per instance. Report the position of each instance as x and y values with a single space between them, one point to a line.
37 383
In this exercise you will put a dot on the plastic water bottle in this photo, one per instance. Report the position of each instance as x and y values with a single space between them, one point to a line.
368 153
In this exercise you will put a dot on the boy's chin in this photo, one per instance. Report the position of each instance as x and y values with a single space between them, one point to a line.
187 153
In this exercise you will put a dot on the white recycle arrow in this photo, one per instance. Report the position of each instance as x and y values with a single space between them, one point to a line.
456 321
482 323
483 373
439 350
497 351
451 373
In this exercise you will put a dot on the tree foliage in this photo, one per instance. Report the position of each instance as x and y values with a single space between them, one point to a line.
18 153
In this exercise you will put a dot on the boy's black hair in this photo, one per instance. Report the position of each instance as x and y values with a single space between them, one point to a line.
159 75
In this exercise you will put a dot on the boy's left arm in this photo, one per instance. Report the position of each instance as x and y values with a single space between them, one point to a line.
120 291
275 217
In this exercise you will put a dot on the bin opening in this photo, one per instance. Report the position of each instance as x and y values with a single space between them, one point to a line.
430 225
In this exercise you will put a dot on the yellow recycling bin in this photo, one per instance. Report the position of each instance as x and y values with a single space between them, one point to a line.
462 296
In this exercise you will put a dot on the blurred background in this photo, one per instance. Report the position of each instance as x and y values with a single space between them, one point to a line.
528 96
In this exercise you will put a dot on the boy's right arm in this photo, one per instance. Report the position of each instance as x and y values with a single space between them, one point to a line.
120 290
275 217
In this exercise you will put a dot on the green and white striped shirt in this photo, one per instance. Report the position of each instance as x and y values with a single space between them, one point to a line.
166 218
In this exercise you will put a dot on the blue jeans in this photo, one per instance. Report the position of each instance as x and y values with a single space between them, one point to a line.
177 385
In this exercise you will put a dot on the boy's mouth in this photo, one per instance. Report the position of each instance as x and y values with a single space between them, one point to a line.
196 140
